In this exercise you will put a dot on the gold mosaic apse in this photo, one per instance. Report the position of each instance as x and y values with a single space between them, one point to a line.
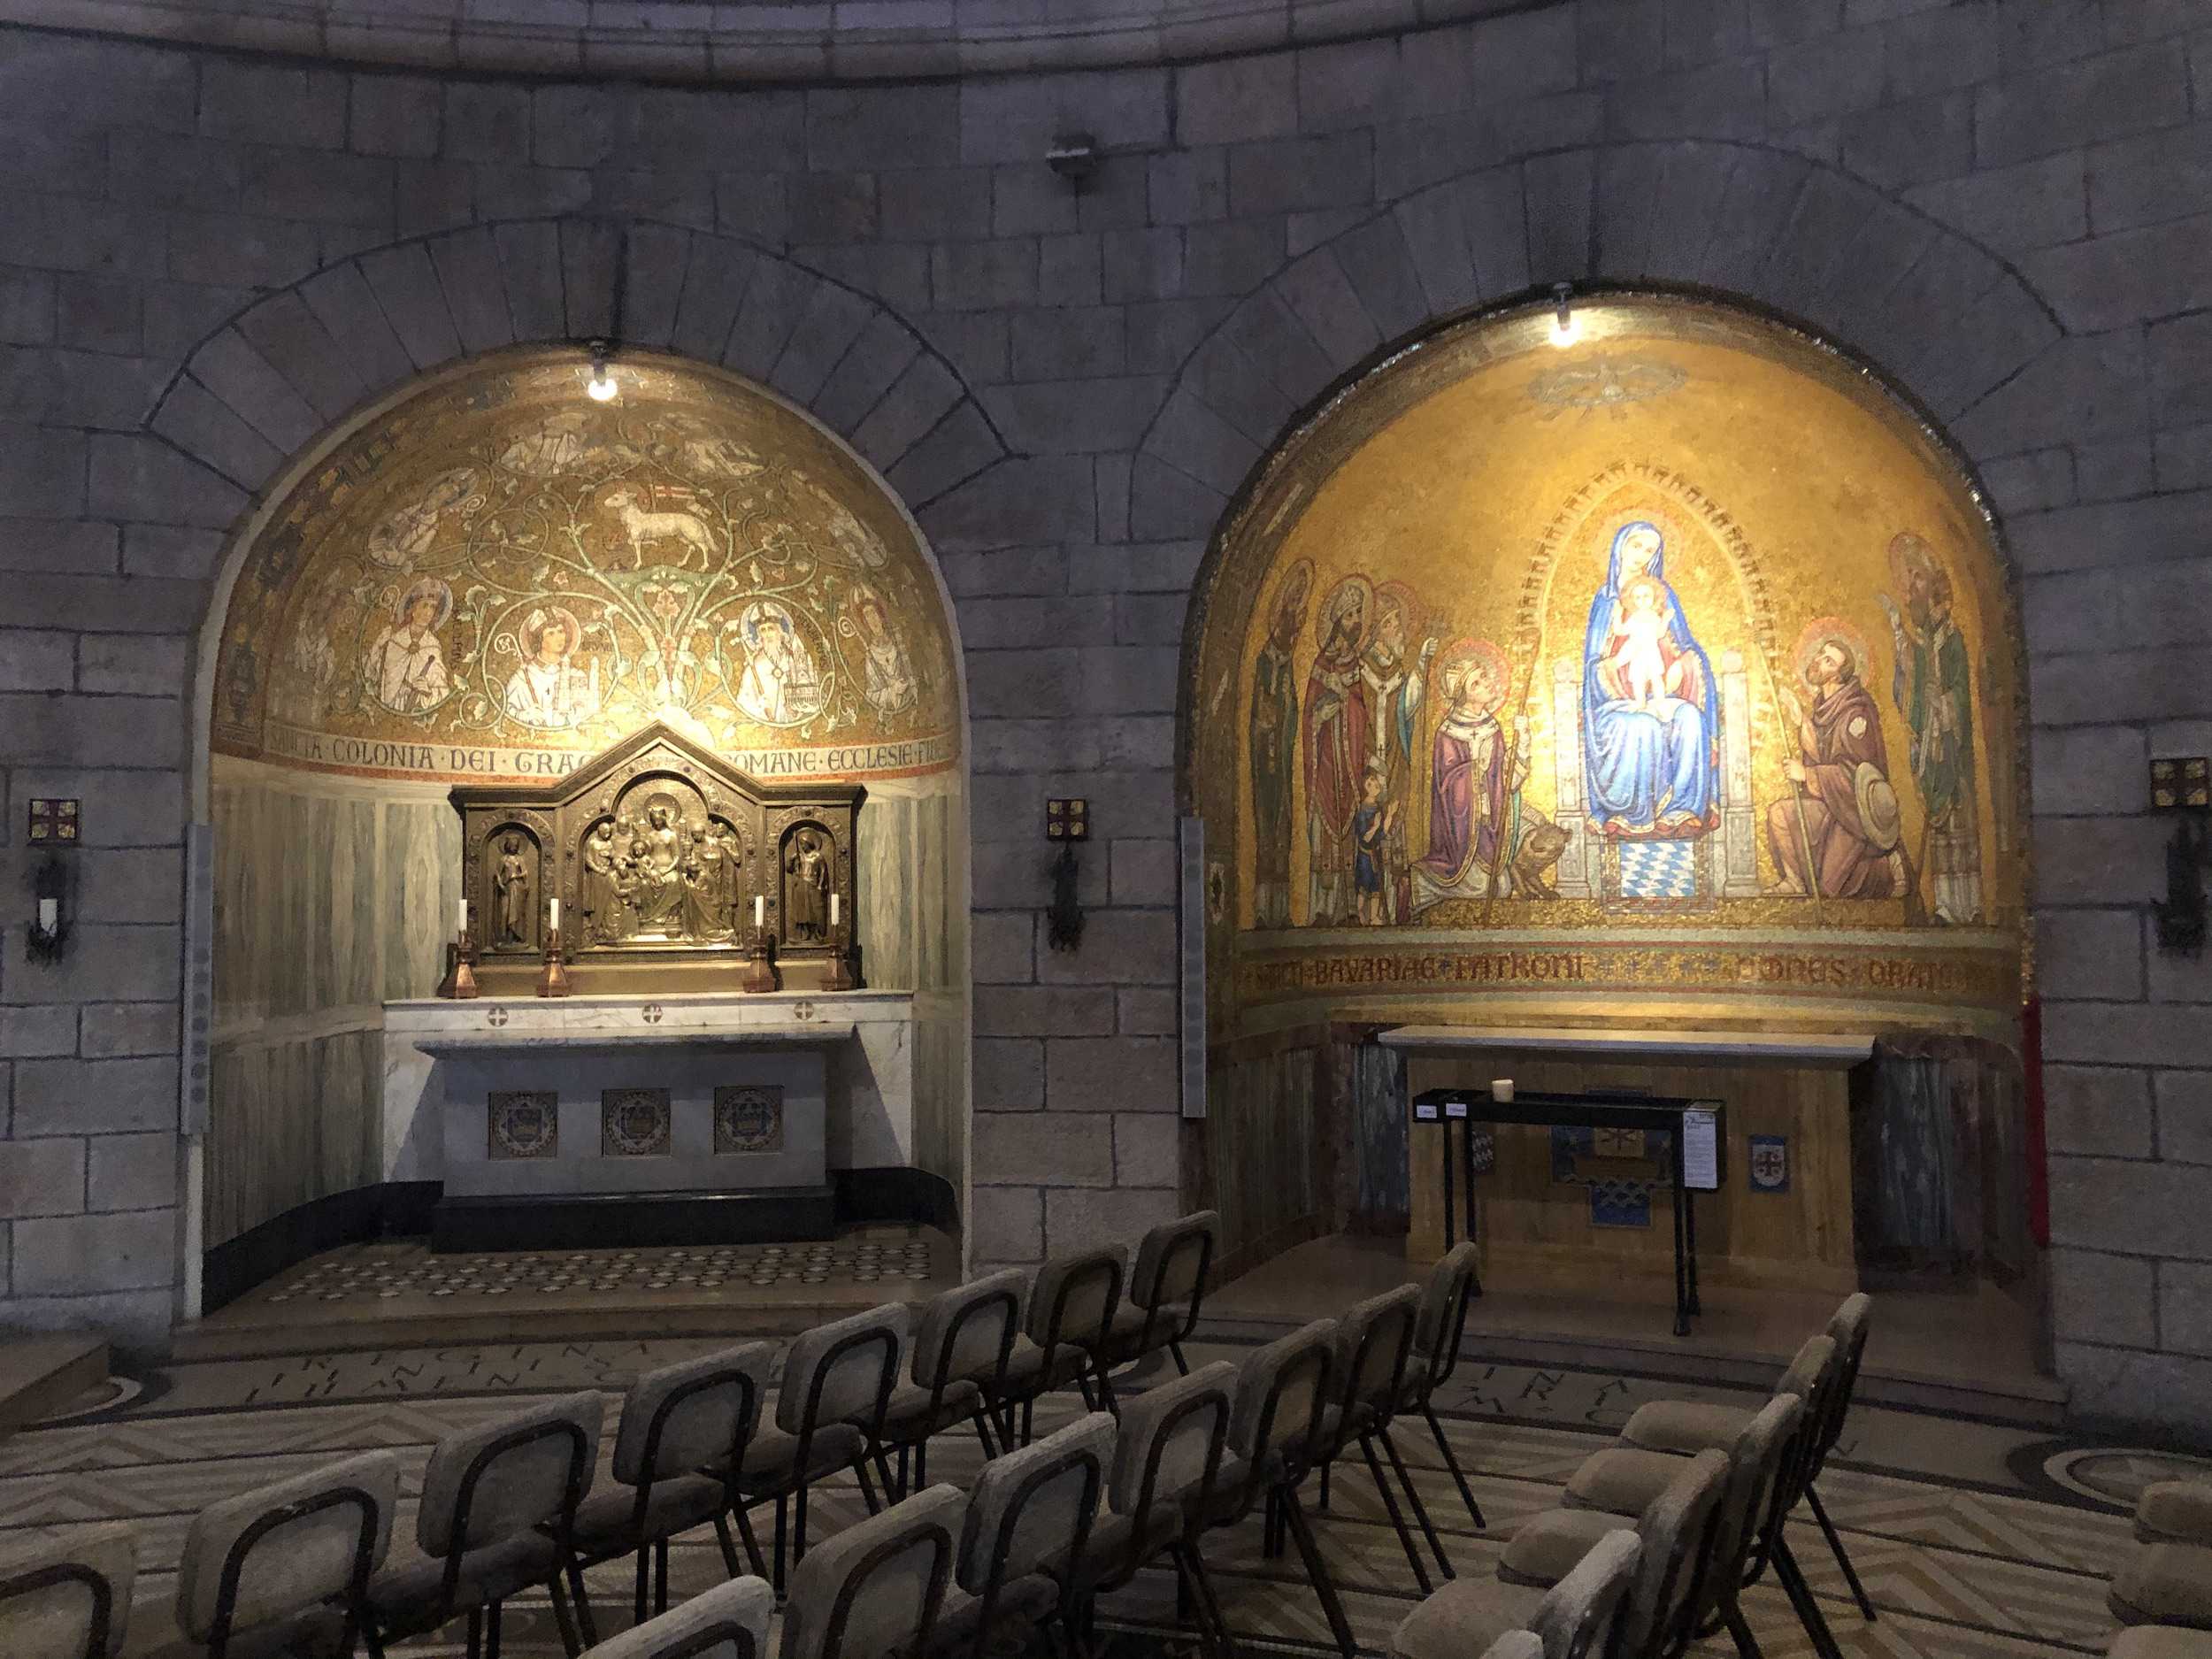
501 576
1674 657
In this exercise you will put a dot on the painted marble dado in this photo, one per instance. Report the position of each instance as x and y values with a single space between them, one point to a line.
501 576
1662 655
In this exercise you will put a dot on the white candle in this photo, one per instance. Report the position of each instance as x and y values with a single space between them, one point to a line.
557 915
760 912
49 914
1501 1089
462 926
832 909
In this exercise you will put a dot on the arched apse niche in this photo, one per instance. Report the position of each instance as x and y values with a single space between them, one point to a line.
1499 676
494 576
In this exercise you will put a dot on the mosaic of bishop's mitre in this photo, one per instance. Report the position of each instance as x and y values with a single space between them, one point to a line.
502 577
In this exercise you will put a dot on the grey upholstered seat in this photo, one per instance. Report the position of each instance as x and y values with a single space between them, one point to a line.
1672 1532
2160 1641
50 1596
1571 1620
963 1347
1436 1340
1029 1517
875 1587
728 1622
699 1414
1516 1644
1374 1350
1073 1303
497 1506
284 1566
1165 1464
1686 1426
1167 1288
2174 1512
2164 1584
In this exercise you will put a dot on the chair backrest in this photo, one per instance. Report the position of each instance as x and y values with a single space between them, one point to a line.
279 1549
969 1330
509 1475
728 1622
1575 1618
1075 1298
1810 1377
843 1371
1170 1446
1516 1644
1032 1509
1671 1530
692 1415
1374 1340
1847 1329
71 1599
875 1586
1443 1320
1174 1260
1282 1390
1755 1467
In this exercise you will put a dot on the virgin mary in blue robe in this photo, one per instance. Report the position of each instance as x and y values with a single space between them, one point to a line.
1650 765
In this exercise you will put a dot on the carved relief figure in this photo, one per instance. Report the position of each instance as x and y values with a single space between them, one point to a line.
709 883
548 691
1933 688
1274 737
1339 732
510 886
888 679
409 532
1473 802
656 854
602 883
780 686
1841 823
1394 679
642 526
806 905
406 667
1651 756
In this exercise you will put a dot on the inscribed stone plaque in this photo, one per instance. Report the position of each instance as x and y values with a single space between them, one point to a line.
634 1123
749 1117
523 1123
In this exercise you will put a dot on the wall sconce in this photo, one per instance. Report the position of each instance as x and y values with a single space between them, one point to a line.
2182 788
1074 157
54 825
1067 821
1564 329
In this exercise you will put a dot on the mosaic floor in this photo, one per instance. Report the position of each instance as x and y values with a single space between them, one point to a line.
1977 1541
387 1272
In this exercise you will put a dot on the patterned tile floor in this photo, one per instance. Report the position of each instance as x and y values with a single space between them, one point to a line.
389 1272
1976 1540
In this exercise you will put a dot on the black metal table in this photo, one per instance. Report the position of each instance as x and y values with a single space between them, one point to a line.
1595 1109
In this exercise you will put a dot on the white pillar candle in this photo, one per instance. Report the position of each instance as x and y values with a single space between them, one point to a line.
1501 1089
760 912
557 915
833 910
462 926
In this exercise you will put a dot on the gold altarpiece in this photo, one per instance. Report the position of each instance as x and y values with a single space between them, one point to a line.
668 863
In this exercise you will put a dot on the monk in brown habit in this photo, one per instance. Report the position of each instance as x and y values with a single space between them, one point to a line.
1841 779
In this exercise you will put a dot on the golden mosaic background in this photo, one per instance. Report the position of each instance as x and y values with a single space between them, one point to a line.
1459 507
502 577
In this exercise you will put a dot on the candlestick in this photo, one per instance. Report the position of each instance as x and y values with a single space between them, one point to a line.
554 981
460 963
760 972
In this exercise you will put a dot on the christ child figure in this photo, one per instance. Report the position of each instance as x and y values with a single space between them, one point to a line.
1637 657
1371 823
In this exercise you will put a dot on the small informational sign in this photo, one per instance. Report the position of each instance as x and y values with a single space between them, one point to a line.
1701 1150
1454 1109
1425 1111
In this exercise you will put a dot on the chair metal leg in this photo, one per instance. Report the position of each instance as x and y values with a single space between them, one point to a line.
1083 1381
752 1545
1413 1497
475 1649
921 1470
1106 1391
571 1640
585 1627
1210 1600
783 1505
867 1488
637 1600
1451 1461
1191 1606
1843 1557
1175 1347
730 1562
1325 1464
1739 1633
798 1516
1397 1517
983 1435
1805 1603
660 1575
1318 1574
492 1627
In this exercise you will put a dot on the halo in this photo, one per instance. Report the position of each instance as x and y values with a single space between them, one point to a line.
1338 602
1463 651
1909 551
1291 588
427 587
533 627
1816 634
1409 604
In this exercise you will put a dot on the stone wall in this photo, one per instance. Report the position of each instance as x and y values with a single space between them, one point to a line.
206 258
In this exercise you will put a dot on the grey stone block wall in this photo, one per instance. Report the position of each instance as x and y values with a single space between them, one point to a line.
207 258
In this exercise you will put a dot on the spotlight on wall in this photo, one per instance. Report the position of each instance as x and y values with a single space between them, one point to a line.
55 826
1565 328
2182 788
1074 157
600 388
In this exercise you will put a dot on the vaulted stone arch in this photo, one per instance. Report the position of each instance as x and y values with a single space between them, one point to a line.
1944 317
301 359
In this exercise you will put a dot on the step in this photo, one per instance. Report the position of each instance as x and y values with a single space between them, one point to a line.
41 1373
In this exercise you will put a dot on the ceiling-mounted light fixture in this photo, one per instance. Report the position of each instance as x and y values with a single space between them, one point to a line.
1564 329
600 388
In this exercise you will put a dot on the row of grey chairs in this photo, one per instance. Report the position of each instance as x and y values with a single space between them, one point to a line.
2161 1593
